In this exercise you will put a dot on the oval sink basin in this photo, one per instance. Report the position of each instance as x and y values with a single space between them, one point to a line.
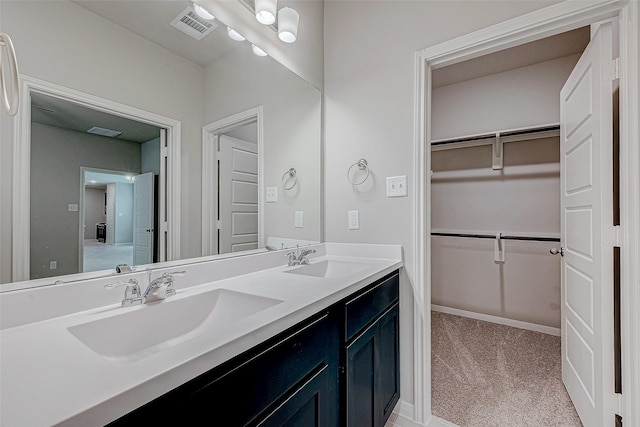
329 269
150 328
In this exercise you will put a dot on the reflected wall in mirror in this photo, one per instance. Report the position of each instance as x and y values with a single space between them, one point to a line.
103 49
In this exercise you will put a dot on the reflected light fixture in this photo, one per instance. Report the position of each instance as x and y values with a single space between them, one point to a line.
266 11
202 12
288 19
234 34
258 51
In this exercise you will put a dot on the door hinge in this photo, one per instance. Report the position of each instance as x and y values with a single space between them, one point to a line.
614 403
612 236
611 70
218 224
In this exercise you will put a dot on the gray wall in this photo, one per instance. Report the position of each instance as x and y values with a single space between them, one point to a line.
292 133
56 157
94 204
369 95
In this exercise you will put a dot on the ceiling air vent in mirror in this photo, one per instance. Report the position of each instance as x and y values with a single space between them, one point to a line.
191 24
104 132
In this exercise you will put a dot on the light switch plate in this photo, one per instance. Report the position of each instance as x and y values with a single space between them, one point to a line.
72 207
272 194
354 220
396 186
298 222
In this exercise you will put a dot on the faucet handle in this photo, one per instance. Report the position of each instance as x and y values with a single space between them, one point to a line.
292 258
132 294
170 278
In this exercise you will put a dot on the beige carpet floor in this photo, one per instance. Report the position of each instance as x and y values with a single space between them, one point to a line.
485 374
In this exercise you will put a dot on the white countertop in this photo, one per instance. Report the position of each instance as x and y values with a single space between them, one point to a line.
48 376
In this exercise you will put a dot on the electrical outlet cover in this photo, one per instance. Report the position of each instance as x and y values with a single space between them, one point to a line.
298 220
354 220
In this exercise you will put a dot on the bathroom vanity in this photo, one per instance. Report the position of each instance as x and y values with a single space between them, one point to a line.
245 341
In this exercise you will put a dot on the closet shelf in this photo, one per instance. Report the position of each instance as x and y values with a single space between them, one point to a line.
497 139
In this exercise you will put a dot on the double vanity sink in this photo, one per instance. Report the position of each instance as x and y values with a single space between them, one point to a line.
92 366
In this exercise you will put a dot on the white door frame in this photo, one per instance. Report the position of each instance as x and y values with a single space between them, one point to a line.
170 184
545 22
210 133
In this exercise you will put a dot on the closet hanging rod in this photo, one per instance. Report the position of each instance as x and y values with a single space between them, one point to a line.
514 135
493 236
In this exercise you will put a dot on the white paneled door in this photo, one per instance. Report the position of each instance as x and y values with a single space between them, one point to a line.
587 214
238 193
143 219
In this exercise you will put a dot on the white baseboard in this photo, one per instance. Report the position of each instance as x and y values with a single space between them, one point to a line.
500 320
439 422
402 416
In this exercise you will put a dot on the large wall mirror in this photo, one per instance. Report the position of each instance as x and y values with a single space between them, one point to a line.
139 130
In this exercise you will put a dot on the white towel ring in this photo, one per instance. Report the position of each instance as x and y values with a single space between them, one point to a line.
11 106
292 175
363 166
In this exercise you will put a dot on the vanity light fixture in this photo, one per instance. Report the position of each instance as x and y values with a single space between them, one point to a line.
258 51
202 12
288 19
233 34
266 11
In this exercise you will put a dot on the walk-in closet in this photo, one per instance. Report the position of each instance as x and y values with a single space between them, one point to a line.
495 226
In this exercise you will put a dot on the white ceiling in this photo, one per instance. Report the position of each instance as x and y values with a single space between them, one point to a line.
547 49
56 112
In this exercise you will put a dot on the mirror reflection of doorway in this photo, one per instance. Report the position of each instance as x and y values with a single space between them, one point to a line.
118 219
67 139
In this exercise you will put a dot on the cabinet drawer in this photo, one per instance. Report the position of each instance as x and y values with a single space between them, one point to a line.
367 306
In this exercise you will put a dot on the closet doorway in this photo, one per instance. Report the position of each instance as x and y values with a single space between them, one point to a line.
507 334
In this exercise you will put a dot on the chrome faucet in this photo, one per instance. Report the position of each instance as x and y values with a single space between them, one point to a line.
160 288
300 258
132 294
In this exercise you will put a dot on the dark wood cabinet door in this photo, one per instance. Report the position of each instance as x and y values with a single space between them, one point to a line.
371 373
314 404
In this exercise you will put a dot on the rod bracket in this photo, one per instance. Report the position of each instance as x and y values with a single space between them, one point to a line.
497 153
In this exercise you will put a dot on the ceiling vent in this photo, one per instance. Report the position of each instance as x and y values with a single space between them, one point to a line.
104 132
191 24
